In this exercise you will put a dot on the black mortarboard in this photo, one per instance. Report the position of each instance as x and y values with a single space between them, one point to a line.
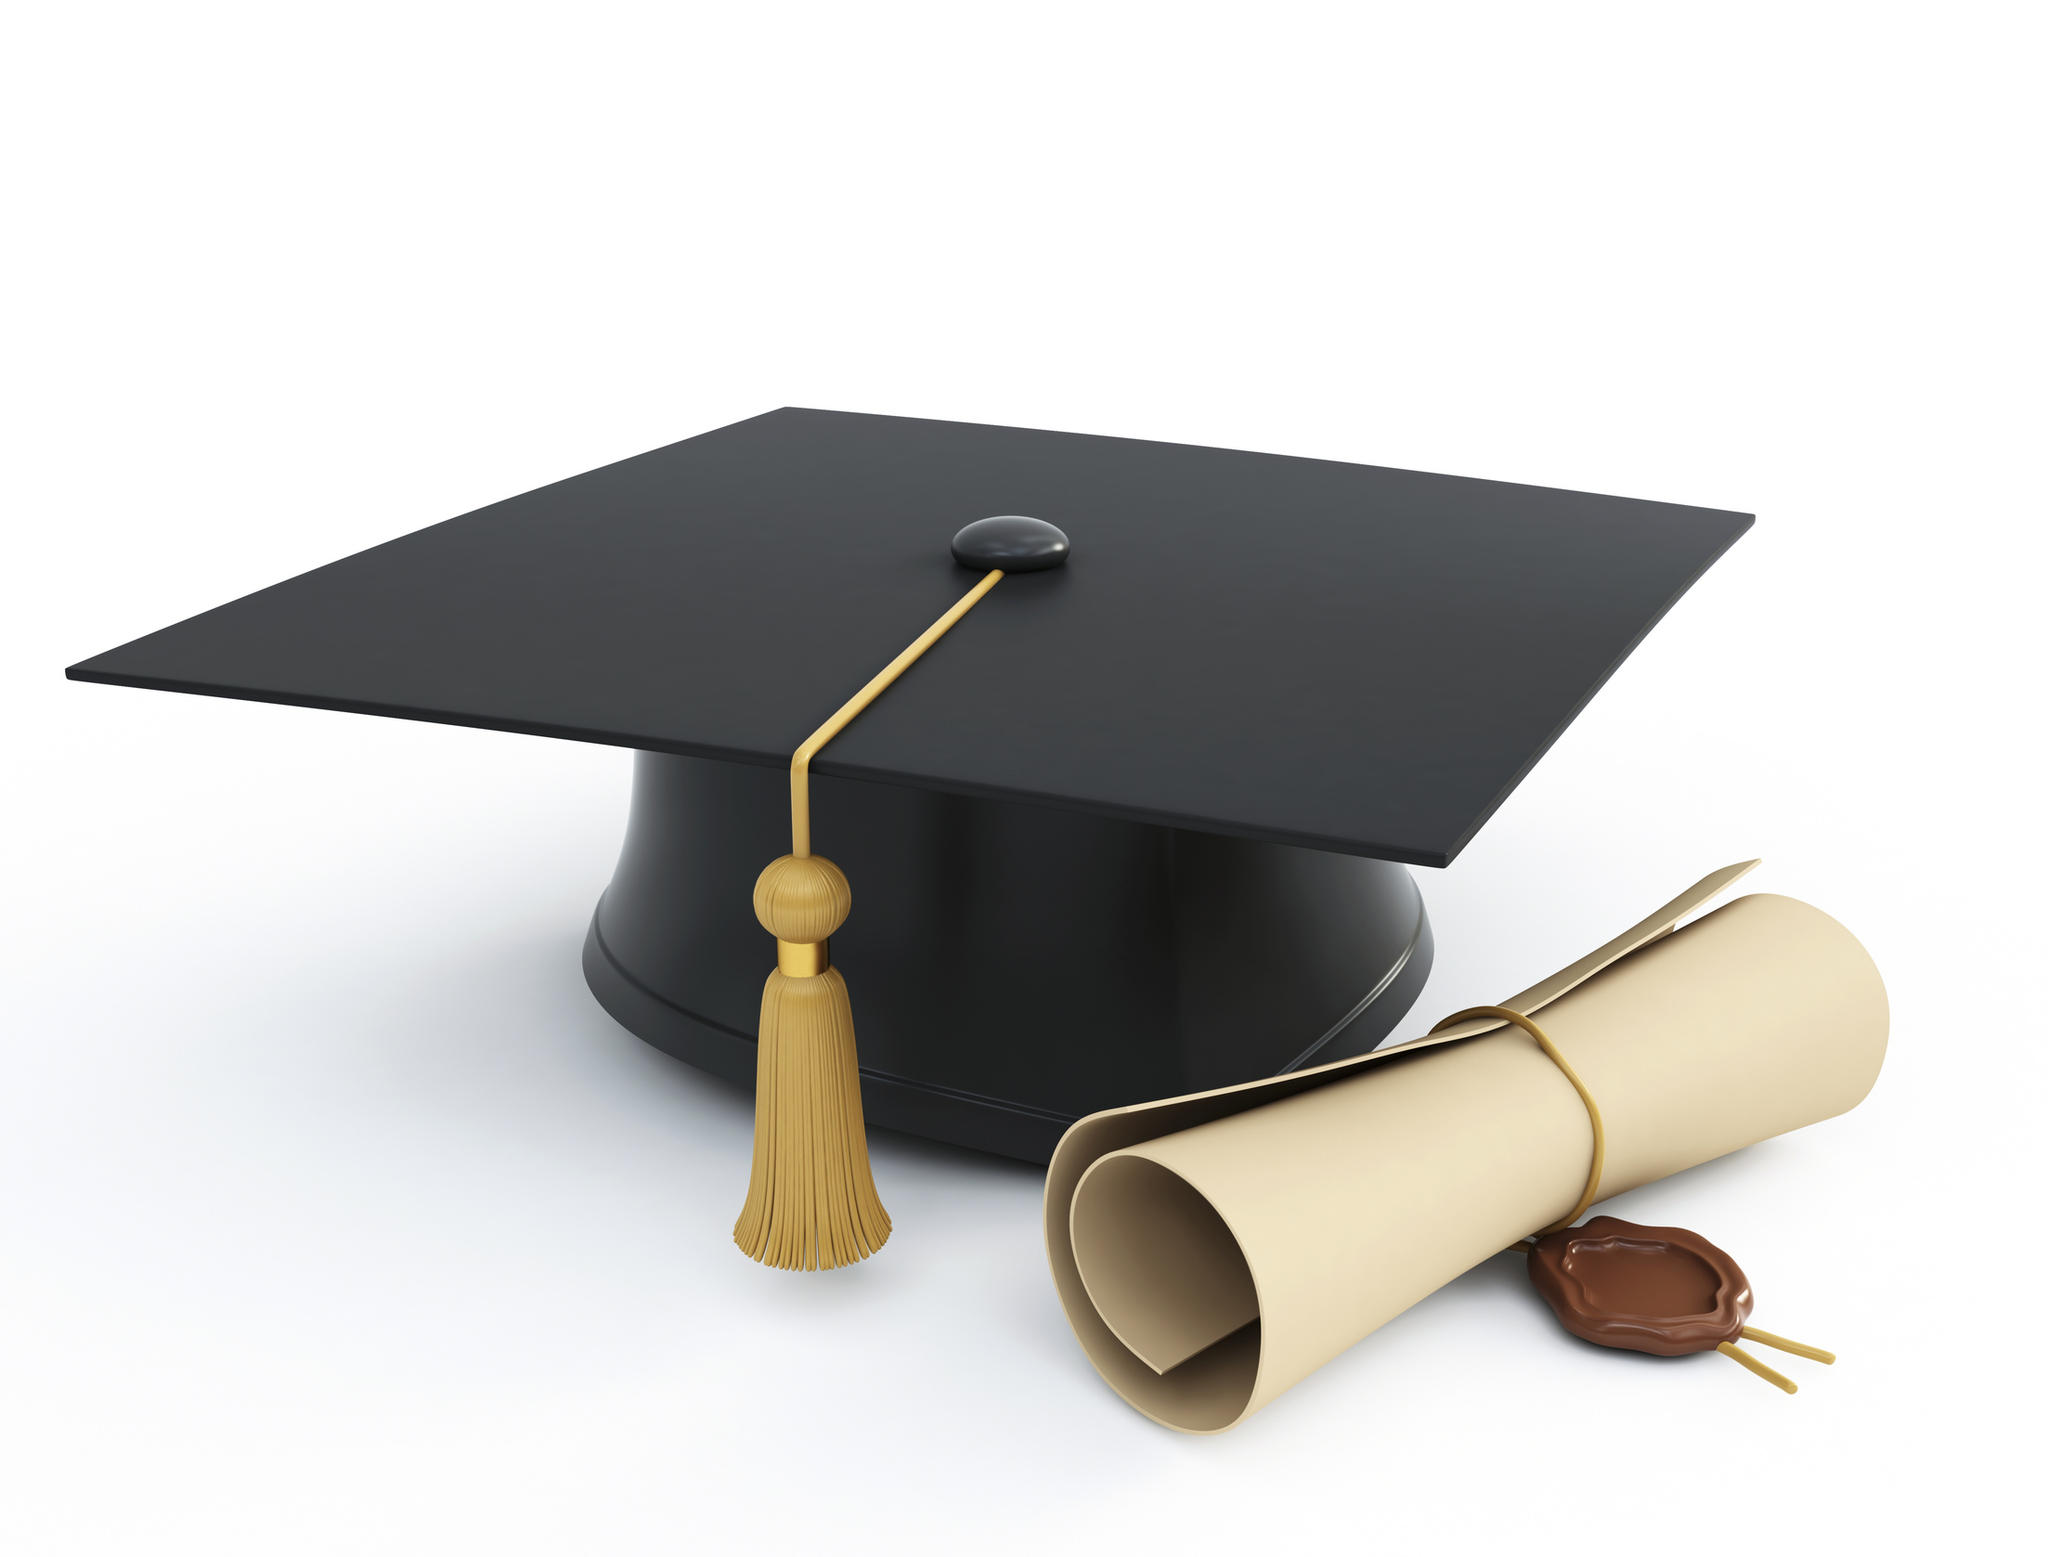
1136 828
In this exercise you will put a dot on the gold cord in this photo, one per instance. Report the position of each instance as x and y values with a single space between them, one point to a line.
1592 1191
1796 1348
800 764
1764 1370
1758 1366
1729 1349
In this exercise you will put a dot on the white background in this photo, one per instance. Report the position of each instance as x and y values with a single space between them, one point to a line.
336 1217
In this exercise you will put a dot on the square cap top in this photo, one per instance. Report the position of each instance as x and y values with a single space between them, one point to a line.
1339 656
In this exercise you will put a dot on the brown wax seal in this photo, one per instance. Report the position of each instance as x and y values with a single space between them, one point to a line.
1662 1290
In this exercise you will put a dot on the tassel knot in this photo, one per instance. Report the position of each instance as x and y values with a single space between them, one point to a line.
802 898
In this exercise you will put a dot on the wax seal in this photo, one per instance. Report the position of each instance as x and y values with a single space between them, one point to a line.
1662 1290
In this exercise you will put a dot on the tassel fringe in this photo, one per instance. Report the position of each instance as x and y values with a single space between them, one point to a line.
811 1203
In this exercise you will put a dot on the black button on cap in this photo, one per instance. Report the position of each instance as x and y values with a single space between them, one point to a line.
1011 542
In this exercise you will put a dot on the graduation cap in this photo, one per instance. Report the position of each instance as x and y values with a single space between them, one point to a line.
1124 825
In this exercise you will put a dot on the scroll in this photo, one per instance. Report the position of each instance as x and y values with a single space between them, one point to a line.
1213 1250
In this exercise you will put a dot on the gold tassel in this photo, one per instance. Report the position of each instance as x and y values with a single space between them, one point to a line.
812 1202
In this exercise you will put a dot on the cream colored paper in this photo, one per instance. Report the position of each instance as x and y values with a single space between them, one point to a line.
1322 1203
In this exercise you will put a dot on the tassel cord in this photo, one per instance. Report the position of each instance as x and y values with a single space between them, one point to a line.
800 763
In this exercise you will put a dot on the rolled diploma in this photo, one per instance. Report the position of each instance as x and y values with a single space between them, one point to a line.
1208 1268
